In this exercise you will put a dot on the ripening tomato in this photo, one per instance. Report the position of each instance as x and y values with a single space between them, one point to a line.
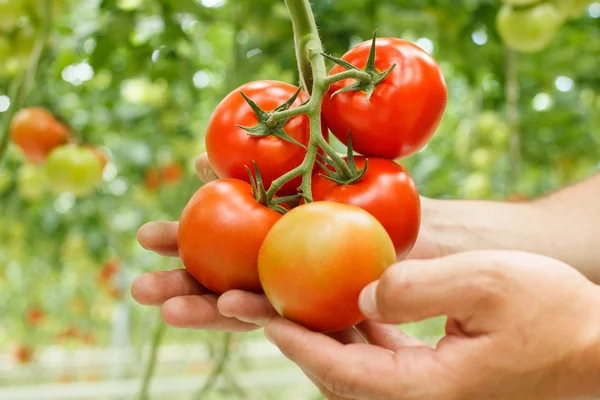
153 179
35 316
316 260
404 109
220 232
172 173
387 192
22 354
230 148
36 132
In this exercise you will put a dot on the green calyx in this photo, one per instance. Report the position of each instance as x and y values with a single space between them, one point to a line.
365 85
337 175
266 126
260 194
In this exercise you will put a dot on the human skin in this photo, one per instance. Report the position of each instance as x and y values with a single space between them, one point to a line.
559 225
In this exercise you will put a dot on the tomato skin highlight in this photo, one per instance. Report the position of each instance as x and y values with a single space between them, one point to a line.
316 260
230 148
220 233
404 110
36 132
387 192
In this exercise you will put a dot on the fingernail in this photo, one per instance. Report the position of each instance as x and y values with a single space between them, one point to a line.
368 300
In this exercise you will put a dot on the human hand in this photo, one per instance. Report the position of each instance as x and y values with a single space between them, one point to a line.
520 326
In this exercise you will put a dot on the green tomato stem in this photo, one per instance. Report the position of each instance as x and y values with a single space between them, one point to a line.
21 90
362 76
312 69
159 332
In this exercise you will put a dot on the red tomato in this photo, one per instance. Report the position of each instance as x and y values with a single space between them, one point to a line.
231 148
316 260
220 232
404 110
36 132
387 192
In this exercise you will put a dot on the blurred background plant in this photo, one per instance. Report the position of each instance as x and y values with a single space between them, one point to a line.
129 85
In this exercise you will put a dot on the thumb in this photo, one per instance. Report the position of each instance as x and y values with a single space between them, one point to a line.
204 169
460 286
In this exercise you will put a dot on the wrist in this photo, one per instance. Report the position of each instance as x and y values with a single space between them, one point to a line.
464 225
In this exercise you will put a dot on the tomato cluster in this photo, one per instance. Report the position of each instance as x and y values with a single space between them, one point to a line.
53 156
313 257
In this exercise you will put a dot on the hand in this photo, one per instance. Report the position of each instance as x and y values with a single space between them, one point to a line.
520 326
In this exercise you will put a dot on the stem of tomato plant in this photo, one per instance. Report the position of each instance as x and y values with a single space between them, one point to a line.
312 69
21 90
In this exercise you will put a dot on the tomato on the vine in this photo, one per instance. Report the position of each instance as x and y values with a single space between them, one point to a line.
74 169
316 260
220 233
36 132
387 192
230 148
528 29
404 109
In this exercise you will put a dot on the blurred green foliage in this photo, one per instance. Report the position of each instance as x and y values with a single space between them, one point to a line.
141 78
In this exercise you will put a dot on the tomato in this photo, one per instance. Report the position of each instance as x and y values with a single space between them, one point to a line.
387 192
404 110
22 354
477 186
230 148
316 260
108 271
36 132
74 169
528 30
220 232
153 179
34 316
519 2
172 173
483 158
31 182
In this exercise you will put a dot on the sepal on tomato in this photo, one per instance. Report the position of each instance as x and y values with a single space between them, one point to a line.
260 193
337 175
264 127
376 76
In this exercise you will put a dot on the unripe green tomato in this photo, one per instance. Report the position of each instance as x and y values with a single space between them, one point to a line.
482 158
487 121
478 185
31 182
528 30
74 169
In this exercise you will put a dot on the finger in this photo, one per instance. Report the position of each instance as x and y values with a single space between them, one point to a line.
387 336
154 288
200 312
324 391
204 169
457 286
245 306
159 237
348 371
